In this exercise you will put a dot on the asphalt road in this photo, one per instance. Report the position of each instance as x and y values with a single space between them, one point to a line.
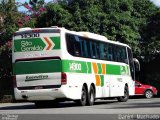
103 109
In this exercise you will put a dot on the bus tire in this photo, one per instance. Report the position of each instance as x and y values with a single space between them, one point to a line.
91 96
83 99
125 97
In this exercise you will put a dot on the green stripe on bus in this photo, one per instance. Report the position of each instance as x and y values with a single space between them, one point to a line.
102 80
35 44
33 67
113 69
71 66
56 41
74 66
89 67
99 68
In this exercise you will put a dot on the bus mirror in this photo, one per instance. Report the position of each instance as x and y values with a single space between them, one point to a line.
136 64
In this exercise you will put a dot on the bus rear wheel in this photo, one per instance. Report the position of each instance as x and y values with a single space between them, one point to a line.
91 96
125 97
83 100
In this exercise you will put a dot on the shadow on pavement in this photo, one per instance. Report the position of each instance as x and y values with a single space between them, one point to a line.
70 104
60 105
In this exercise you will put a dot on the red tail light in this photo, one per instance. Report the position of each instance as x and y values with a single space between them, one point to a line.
63 78
14 81
36 30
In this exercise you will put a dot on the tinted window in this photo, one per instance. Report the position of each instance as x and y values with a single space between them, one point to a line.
103 51
74 45
110 55
131 64
89 48
120 54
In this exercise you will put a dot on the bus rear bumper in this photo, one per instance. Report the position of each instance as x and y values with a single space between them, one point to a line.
38 94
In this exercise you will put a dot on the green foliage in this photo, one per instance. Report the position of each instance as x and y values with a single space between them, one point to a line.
110 18
30 23
54 15
118 20
151 36
8 24
36 4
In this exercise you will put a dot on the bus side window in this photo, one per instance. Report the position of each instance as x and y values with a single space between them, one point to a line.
124 55
93 49
119 54
88 48
74 45
110 53
105 51
97 50
77 46
101 51
115 52
85 48
70 43
131 64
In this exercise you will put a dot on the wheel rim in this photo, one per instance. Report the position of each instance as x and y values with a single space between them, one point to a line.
149 94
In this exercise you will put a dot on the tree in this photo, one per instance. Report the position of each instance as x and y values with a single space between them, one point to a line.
55 15
118 20
34 9
112 19
8 24
151 37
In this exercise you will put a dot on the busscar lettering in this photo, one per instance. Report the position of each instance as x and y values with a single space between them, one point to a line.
39 77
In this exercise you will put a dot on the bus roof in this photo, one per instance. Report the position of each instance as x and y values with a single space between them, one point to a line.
81 33
93 36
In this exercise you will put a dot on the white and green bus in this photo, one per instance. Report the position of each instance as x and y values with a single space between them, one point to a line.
53 64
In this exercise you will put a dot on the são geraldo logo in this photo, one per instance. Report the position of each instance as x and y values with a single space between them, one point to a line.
28 46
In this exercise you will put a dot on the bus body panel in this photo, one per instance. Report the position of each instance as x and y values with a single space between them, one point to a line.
108 82
42 79
39 94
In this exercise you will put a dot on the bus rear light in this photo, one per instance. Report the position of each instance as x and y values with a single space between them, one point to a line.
14 81
63 78
36 30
